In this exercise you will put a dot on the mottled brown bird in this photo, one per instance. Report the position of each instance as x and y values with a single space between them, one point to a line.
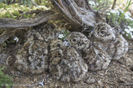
66 64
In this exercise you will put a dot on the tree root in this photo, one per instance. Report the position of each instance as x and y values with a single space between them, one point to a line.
6 23
78 12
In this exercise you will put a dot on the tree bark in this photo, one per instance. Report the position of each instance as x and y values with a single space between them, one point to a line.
6 23
78 11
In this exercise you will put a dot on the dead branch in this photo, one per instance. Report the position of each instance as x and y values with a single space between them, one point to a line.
114 3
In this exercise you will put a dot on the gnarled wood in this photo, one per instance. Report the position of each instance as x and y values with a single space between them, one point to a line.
78 11
6 23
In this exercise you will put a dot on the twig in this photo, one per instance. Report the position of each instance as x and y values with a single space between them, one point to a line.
114 3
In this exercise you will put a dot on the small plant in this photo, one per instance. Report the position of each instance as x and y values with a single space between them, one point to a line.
28 3
16 10
100 5
64 33
5 80
122 18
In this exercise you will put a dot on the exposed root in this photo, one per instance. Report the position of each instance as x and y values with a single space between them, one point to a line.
6 23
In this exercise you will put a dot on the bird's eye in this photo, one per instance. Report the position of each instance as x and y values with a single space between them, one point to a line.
102 32
58 45
74 40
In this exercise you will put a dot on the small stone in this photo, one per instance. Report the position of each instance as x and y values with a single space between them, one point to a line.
41 83
66 43
90 80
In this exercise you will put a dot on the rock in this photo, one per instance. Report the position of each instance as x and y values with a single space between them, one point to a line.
90 80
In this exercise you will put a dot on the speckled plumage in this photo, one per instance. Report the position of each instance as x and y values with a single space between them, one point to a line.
31 58
104 32
79 41
110 41
97 59
66 63
118 49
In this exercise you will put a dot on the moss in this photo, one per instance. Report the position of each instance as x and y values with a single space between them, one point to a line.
5 80
16 10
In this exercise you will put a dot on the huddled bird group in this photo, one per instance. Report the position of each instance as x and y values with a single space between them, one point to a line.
45 51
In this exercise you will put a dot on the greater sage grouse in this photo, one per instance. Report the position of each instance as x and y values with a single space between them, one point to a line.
66 64
32 56
110 41
79 41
